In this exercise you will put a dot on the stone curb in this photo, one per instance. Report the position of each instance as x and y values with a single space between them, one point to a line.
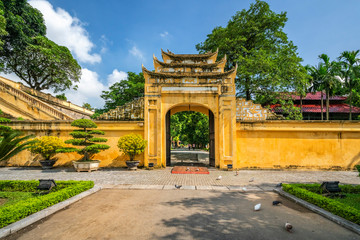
339 220
16 226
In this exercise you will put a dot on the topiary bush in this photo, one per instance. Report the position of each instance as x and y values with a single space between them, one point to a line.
132 145
85 137
46 146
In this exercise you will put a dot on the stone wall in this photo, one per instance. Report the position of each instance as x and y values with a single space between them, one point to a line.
298 144
111 157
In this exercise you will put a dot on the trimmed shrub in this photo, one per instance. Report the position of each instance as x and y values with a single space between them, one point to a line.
22 209
132 145
328 204
46 146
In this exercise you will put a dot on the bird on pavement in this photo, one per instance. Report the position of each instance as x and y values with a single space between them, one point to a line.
236 173
244 189
276 203
278 185
178 186
257 207
219 178
197 170
187 169
288 227
251 180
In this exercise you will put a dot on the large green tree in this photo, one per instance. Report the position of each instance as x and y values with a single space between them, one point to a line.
41 63
254 40
350 72
124 91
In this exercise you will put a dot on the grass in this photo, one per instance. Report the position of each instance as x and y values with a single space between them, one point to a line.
23 199
351 199
12 197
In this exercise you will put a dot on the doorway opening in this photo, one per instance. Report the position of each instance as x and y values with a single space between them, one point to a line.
190 139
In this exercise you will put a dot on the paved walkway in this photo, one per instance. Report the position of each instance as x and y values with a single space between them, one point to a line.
163 179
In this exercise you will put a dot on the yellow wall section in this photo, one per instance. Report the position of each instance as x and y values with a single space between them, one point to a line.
298 145
109 158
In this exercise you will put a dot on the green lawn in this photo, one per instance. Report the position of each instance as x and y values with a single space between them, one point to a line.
12 197
348 207
19 199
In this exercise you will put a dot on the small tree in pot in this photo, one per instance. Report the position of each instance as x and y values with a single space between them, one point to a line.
132 145
85 137
47 146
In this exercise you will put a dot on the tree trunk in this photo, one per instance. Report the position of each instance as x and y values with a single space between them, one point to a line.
350 98
327 103
301 109
247 88
322 105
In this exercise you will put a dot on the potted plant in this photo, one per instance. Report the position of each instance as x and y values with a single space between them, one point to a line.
47 146
84 136
132 145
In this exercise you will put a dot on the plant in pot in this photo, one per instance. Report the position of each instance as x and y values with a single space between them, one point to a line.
47 146
84 136
132 145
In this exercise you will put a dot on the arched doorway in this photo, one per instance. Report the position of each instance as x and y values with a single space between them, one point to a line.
211 139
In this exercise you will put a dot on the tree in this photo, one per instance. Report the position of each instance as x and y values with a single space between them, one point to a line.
317 74
254 40
85 137
87 106
2 25
329 71
46 146
41 63
61 97
124 91
44 65
350 72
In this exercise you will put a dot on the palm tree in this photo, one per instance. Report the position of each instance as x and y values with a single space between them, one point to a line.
350 63
329 71
12 142
317 73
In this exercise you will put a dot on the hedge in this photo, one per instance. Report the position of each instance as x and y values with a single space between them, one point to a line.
328 204
24 208
315 187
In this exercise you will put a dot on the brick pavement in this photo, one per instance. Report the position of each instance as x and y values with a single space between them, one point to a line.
263 180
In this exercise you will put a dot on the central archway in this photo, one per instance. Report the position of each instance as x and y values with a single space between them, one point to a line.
211 129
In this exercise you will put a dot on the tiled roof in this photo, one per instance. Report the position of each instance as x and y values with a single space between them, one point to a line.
317 96
333 108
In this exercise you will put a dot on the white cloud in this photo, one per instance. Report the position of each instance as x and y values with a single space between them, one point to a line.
116 76
164 34
134 51
68 31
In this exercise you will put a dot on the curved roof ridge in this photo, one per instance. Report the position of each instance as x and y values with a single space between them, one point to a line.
173 55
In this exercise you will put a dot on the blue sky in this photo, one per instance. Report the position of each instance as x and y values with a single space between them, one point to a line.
110 38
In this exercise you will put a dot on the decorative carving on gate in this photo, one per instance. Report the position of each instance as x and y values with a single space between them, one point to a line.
249 111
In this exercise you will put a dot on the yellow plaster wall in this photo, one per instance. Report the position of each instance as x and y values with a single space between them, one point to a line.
111 157
298 144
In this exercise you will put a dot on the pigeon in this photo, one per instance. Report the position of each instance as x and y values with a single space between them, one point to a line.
288 227
244 189
251 180
197 170
276 203
219 178
187 169
178 186
278 185
257 207
236 173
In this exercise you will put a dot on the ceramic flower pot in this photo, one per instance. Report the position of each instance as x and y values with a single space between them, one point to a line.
132 165
47 164
86 166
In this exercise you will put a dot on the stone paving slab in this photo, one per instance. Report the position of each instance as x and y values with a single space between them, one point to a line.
188 188
204 188
219 188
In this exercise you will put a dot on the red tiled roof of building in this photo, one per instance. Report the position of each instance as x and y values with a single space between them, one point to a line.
317 96
333 108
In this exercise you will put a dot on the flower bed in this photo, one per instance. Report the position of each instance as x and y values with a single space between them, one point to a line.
25 200
345 208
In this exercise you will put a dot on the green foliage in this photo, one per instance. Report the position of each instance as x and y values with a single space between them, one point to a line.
285 105
190 127
13 142
84 137
254 41
88 106
132 145
61 97
23 208
124 91
41 63
83 123
2 25
358 168
331 205
46 146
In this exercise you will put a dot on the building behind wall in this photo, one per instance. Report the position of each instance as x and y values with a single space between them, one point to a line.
311 107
